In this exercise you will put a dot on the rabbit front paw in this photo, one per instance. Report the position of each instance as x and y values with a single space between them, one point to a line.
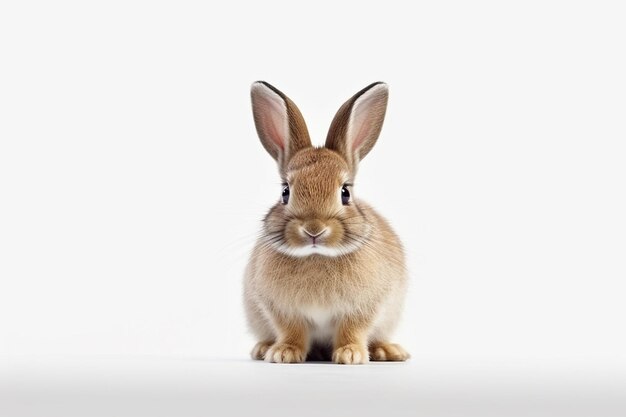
285 353
260 349
351 354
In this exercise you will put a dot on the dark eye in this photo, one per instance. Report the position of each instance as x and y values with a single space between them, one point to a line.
285 196
345 195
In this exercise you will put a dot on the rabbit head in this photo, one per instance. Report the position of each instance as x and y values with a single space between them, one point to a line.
317 212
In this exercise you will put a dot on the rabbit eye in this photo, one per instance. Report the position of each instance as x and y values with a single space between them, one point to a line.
345 195
285 195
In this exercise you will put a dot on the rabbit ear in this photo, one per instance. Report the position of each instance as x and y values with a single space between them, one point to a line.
356 126
279 124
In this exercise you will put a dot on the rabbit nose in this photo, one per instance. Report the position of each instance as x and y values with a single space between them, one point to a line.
313 228
314 235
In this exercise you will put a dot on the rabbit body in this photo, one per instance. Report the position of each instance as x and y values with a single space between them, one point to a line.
326 279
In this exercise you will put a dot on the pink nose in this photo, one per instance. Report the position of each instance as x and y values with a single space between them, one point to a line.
314 236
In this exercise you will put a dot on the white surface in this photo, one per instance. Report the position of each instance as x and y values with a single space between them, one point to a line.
132 184
181 387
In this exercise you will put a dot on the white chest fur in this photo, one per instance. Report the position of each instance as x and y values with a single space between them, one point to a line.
322 323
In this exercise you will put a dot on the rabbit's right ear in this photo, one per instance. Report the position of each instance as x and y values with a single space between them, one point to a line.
279 123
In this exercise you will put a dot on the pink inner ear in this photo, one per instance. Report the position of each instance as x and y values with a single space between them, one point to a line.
272 112
361 124
365 114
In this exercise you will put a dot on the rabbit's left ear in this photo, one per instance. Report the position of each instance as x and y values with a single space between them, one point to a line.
357 125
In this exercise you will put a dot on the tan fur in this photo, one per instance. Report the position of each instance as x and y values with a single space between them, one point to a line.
381 351
360 290
336 138
298 131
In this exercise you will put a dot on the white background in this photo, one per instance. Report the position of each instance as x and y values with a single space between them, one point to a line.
132 182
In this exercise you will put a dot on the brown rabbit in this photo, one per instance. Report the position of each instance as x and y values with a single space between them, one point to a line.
326 279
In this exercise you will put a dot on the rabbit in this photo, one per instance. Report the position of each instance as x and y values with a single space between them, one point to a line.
326 279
